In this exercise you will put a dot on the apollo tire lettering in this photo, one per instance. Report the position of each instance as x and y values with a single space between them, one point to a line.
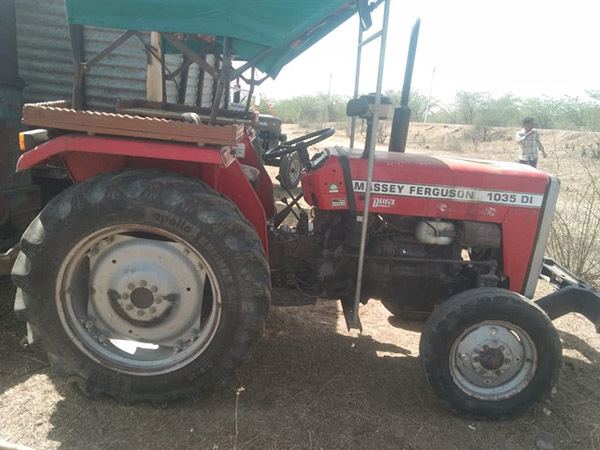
178 223
452 193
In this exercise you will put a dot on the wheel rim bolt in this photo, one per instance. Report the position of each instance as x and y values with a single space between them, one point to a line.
89 324
493 331
143 283
463 356
154 289
129 307
102 339
158 300
125 296
152 310
140 313
131 286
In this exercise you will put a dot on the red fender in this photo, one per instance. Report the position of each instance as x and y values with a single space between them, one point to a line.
85 156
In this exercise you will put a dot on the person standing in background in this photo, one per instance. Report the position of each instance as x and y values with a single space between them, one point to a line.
529 140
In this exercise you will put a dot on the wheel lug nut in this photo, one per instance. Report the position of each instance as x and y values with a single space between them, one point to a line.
463 356
158 300
482 371
129 307
140 313
152 310
186 251
125 296
177 347
89 324
507 361
102 339
154 289
131 286
493 331
143 283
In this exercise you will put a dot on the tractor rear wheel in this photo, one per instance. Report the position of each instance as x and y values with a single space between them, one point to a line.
143 285
490 353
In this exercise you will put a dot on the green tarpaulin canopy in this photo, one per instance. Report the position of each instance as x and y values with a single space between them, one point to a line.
288 26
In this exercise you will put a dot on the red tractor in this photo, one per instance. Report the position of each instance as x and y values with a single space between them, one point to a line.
150 278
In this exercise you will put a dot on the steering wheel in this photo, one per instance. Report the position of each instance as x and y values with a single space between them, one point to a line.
299 145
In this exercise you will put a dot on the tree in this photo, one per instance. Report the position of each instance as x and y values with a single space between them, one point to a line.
468 104
417 102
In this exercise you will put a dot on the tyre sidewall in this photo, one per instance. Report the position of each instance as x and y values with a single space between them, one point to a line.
446 325
174 208
284 170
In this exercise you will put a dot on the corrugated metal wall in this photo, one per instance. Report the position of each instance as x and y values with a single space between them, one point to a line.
44 50
46 64
122 74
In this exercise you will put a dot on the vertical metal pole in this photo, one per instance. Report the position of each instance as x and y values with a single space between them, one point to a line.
365 216
356 79
183 82
78 101
163 71
223 78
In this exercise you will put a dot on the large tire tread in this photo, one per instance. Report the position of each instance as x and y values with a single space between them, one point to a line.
234 233
467 308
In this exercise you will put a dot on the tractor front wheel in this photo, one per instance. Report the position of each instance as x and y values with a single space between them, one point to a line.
290 169
143 285
490 353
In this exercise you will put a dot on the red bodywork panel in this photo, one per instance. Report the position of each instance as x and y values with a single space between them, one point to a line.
508 194
85 156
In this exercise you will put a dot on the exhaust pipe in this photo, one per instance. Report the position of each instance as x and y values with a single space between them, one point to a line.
401 120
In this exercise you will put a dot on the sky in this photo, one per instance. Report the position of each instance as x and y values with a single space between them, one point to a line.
528 48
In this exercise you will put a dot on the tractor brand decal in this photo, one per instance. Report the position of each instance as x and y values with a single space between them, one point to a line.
333 188
338 202
383 202
452 193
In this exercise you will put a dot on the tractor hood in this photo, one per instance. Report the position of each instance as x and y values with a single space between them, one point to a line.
287 26
424 185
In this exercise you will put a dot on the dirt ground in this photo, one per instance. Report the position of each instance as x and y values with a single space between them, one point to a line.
310 384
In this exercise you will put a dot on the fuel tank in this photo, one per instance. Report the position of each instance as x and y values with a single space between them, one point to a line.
510 194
